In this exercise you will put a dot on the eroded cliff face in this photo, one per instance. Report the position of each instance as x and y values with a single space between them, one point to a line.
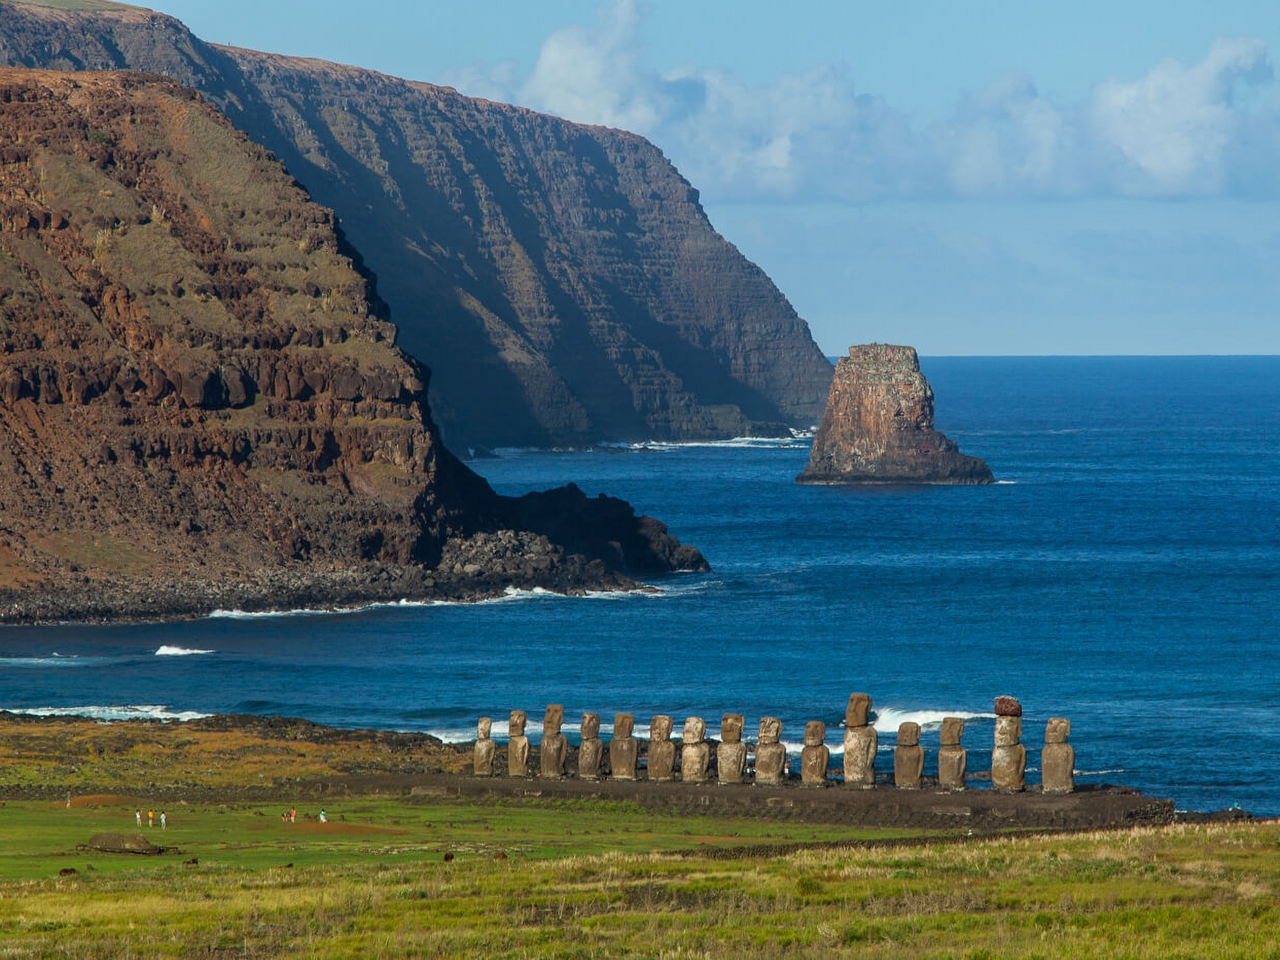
196 383
562 280
878 426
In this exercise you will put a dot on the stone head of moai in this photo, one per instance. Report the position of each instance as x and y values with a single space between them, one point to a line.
731 725
515 726
590 726
1057 730
952 731
1008 731
858 713
484 728
552 719
660 727
909 734
770 729
815 733
623 724
695 730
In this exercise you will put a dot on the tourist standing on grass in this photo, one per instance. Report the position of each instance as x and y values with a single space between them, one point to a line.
323 818
164 821
137 815
151 818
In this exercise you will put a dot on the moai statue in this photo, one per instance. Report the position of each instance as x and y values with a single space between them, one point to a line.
1058 759
1009 758
771 756
815 756
860 742
486 749
696 755
591 752
517 746
662 752
953 759
908 757
623 748
554 746
731 755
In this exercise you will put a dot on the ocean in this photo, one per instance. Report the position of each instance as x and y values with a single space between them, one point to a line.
1124 573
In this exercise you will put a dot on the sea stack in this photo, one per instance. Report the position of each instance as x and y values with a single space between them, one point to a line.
878 426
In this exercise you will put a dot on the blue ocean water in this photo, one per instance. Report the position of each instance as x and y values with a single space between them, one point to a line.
1124 573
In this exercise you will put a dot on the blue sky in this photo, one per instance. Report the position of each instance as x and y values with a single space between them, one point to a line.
979 178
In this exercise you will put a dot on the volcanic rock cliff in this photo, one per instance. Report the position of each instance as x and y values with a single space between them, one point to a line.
200 404
878 426
562 280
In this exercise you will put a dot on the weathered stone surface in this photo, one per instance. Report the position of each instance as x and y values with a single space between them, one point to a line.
695 757
731 753
517 745
554 748
953 759
878 426
624 749
223 437
815 757
1009 758
591 750
1058 758
771 756
485 750
563 280
662 752
1007 706
860 743
908 757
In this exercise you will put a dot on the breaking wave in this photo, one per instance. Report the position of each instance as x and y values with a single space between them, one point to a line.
117 712
168 651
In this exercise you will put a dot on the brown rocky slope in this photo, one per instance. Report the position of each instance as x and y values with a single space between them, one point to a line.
200 404
562 280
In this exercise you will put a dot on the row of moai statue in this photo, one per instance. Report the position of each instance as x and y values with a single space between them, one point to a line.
1008 759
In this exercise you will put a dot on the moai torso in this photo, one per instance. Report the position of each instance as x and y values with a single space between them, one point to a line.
486 749
1009 758
860 743
731 754
815 757
554 746
662 752
771 756
696 755
953 759
1058 759
623 748
517 746
908 757
591 752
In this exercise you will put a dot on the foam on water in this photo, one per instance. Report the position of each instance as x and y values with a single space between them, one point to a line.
170 651
117 712
888 719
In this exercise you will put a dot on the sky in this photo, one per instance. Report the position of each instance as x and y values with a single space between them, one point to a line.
979 178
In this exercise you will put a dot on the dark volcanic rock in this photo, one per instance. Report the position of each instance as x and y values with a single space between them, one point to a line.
186 424
878 426
562 280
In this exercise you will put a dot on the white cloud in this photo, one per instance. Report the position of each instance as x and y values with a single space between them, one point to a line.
1211 128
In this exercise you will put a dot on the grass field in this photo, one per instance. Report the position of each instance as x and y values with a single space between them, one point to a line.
535 878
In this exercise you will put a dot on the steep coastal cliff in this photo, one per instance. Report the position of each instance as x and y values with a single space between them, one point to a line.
878 426
200 403
562 280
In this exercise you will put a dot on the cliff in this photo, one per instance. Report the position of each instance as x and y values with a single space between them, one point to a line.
562 280
200 404
878 426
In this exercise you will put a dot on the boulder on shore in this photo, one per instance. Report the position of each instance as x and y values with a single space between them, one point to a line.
878 426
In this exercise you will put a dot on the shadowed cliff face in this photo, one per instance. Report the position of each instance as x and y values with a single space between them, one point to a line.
194 379
562 280
878 426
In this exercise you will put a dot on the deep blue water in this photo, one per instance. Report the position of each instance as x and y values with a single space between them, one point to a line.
1125 574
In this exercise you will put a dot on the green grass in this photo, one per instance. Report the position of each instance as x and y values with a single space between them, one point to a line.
73 4
591 879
